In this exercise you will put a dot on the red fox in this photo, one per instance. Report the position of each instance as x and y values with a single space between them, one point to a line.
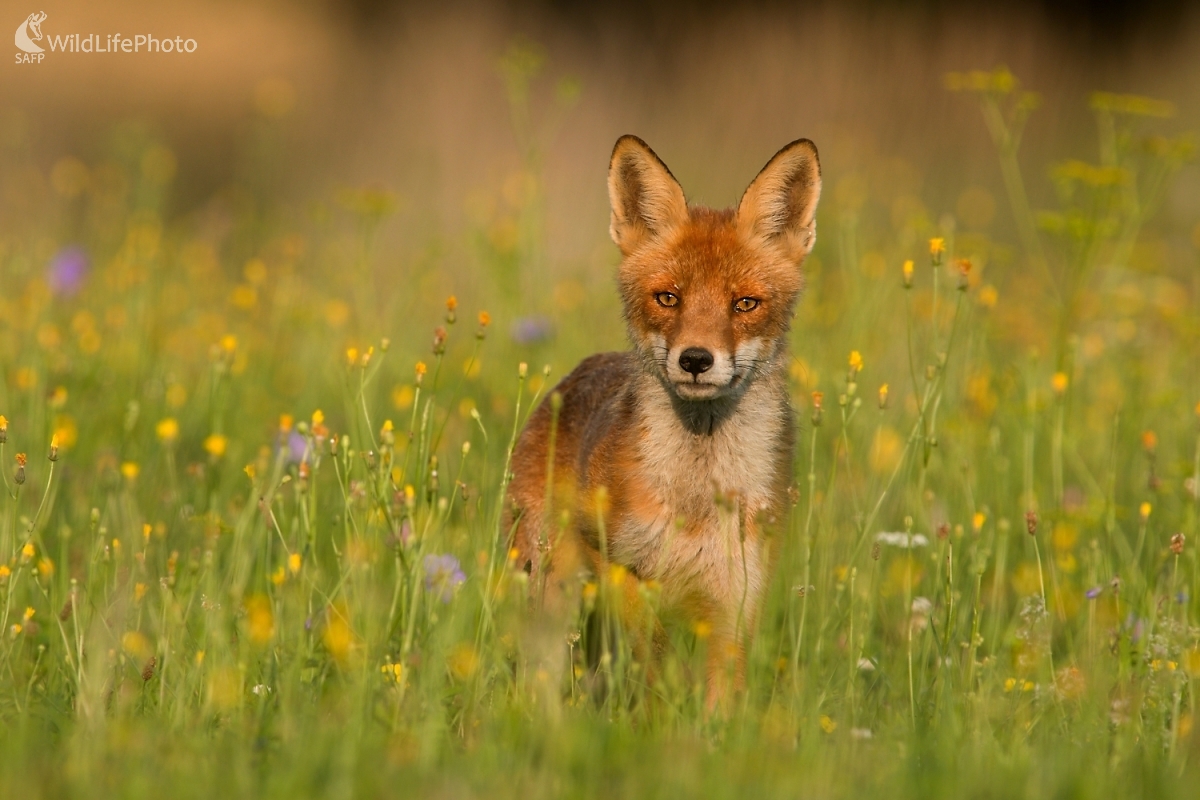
674 460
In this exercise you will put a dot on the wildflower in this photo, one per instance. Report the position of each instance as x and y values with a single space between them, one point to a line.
907 271
1177 544
485 319
702 628
351 355
1094 592
883 396
130 470
921 606
4 572
531 330
421 369
29 612
964 273
439 340
988 296
937 246
827 724
901 539
337 636
260 618
1059 383
279 576
856 362
215 445
139 591
45 568
67 270
943 530
19 477
3 429
285 422
228 343
817 400
1031 522
443 575
1149 441
294 563
1144 511
28 551
167 430
451 303
977 521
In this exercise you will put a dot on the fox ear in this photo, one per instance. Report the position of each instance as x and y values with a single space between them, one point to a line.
780 205
646 199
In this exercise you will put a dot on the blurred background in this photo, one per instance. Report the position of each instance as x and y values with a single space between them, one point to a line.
323 174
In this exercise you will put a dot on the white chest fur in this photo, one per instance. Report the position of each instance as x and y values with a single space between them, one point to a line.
705 490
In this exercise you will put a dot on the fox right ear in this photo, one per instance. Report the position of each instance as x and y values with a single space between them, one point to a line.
646 199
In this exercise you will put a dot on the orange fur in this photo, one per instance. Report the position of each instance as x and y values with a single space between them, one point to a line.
687 438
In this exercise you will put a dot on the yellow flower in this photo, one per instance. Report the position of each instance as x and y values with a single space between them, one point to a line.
229 343
29 612
285 422
883 395
1059 383
294 563
45 567
260 619
617 575
907 270
139 591
318 417
988 296
1010 684
1149 441
4 571
451 303
279 576
702 628
937 246
215 445
351 355
27 552
337 637
485 319
130 470
856 362
1144 511
977 521
827 724
250 471
3 423
167 430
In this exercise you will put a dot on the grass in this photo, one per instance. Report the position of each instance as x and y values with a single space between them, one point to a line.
252 547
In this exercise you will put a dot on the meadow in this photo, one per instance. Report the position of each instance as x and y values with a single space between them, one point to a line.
249 529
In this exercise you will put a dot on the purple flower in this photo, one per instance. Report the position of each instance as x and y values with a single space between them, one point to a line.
67 270
443 575
297 447
531 330
1093 593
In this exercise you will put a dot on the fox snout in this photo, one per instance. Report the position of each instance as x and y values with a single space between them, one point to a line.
695 361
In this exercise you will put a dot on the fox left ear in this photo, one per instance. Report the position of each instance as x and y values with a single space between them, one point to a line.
780 205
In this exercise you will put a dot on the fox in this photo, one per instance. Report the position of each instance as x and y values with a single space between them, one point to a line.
672 461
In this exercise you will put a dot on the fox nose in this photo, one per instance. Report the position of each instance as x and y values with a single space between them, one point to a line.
695 360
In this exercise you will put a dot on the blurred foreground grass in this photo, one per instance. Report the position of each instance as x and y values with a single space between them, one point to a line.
249 546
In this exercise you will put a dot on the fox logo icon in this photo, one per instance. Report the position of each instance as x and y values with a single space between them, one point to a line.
29 33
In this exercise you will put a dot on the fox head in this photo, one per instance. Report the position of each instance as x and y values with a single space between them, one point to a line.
709 295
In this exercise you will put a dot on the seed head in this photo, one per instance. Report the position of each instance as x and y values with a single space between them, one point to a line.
1177 544
1031 522
439 340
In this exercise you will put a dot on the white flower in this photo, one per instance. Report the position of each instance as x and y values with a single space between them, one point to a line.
901 539
921 606
261 690
861 733
866 665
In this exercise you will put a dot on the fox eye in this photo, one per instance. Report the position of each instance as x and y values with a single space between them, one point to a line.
667 299
745 304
